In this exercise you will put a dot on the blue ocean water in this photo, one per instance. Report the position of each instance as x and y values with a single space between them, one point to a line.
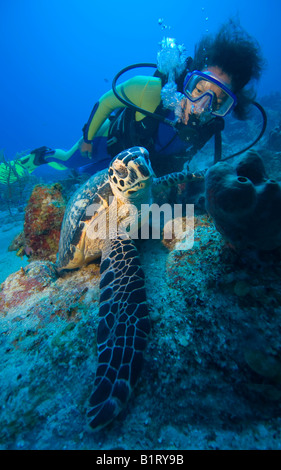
58 56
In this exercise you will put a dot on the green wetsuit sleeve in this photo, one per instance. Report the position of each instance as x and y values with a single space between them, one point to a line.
142 91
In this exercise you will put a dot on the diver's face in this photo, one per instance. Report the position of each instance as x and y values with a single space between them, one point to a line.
201 107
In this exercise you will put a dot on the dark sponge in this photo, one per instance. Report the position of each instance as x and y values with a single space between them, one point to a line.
244 203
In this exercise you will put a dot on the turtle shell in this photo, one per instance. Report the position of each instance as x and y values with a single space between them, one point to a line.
96 190
128 179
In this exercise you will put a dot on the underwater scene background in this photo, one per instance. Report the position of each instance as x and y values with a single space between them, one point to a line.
211 377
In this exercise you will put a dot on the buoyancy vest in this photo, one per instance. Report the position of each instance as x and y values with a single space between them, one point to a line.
161 138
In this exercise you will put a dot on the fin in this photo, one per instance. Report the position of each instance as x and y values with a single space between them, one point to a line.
122 332
57 166
11 172
35 158
173 179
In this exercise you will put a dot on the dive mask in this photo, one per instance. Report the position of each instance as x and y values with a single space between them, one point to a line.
203 86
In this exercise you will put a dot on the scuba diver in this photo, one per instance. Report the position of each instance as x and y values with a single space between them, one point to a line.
172 113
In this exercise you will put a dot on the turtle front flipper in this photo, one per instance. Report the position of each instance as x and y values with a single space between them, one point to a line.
172 179
122 331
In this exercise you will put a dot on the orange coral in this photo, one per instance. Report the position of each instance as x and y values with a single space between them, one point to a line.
19 286
43 219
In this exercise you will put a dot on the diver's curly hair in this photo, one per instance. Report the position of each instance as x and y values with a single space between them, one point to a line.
237 54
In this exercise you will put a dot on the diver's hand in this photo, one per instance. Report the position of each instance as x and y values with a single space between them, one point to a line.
86 149
185 111
199 110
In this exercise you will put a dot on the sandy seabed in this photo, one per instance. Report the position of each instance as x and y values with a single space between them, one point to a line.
10 227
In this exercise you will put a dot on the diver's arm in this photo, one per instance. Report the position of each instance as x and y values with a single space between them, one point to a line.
142 91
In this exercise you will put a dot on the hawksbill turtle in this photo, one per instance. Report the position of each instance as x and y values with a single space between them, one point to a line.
124 322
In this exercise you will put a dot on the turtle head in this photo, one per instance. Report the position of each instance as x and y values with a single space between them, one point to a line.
130 174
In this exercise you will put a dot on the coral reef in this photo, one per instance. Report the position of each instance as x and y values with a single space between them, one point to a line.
245 203
212 372
17 243
43 218
27 281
